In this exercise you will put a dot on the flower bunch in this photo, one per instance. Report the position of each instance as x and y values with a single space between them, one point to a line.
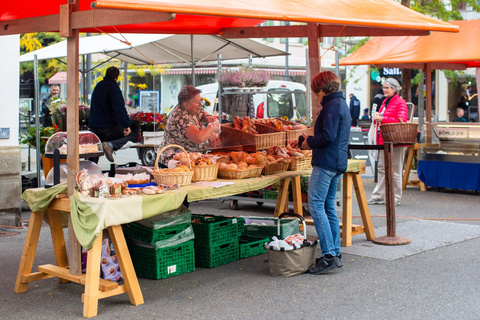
231 78
255 78
58 107
244 77
83 111
30 136
143 118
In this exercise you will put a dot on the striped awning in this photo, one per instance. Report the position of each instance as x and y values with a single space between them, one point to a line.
279 72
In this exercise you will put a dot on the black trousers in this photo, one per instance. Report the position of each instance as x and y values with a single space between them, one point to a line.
115 136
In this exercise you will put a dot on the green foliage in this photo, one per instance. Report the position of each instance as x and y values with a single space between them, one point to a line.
30 136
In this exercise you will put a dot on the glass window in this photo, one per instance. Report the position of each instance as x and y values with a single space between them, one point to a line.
280 105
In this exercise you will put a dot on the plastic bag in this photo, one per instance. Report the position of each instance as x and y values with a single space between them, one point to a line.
372 139
295 239
180 215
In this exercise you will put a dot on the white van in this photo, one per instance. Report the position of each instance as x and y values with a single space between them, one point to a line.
281 98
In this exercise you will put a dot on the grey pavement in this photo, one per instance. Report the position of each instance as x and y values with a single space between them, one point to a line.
435 277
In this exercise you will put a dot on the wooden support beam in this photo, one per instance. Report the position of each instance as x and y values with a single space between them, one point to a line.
314 39
328 30
82 19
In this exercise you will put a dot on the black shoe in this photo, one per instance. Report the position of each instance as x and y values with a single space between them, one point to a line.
108 151
340 264
325 264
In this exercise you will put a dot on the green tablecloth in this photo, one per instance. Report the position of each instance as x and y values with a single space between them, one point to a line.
91 215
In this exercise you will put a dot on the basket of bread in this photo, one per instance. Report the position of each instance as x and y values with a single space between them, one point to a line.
297 159
181 175
204 166
240 165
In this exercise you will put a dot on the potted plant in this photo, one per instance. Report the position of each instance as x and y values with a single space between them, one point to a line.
244 78
30 138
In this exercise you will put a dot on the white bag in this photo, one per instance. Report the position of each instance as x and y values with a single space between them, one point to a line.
372 139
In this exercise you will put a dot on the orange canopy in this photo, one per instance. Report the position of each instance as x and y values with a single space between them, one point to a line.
461 50
190 15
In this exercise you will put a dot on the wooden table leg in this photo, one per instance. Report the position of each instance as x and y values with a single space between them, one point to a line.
29 249
363 206
126 265
297 196
58 240
347 210
92 279
282 200
408 165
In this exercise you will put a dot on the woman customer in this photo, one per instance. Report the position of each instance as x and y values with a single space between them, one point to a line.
187 125
392 110
330 159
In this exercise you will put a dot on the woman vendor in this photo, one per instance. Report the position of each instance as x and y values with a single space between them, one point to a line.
187 125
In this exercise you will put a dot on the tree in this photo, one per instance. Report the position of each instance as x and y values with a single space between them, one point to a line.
443 10
34 41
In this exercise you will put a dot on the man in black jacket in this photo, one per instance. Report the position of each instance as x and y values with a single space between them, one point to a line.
354 109
109 119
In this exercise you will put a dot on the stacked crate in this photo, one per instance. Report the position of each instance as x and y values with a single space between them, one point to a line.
216 240
162 246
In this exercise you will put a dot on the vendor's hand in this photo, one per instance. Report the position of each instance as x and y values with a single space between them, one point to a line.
305 145
216 126
126 131
207 117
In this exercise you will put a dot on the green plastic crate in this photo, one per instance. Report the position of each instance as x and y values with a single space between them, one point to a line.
214 230
216 255
138 232
161 263
287 227
270 194
251 246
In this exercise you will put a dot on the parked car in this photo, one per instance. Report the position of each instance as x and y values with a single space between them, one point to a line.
278 99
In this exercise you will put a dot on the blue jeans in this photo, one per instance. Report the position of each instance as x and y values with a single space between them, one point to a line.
321 203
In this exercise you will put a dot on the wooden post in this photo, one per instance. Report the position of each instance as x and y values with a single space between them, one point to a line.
391 238
74 250
313 34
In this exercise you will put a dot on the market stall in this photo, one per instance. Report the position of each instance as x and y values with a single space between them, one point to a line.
322 18
453 162
447 159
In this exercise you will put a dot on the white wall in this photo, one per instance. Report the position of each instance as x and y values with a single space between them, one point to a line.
441 96
359 84
9 87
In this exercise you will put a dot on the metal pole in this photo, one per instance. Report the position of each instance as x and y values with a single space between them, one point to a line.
125 81
193 59
37 125
219 92
287 77
88 76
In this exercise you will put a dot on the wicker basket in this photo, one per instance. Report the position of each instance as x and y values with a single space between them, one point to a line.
399 133
294 134
240 174
205 173
178 178
275 167
266 138
298 163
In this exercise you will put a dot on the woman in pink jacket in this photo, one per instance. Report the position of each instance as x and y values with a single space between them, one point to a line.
392 110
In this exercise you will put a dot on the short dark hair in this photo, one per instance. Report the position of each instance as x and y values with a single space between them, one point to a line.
187 93
55 85
325 81
112 72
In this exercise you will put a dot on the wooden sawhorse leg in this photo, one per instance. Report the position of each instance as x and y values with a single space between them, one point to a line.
348 230
93 291
412 150
95 288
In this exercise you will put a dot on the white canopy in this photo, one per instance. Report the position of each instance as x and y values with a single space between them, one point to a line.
141 49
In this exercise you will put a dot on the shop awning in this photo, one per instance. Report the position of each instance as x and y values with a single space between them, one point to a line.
443 50
213 16
143 49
